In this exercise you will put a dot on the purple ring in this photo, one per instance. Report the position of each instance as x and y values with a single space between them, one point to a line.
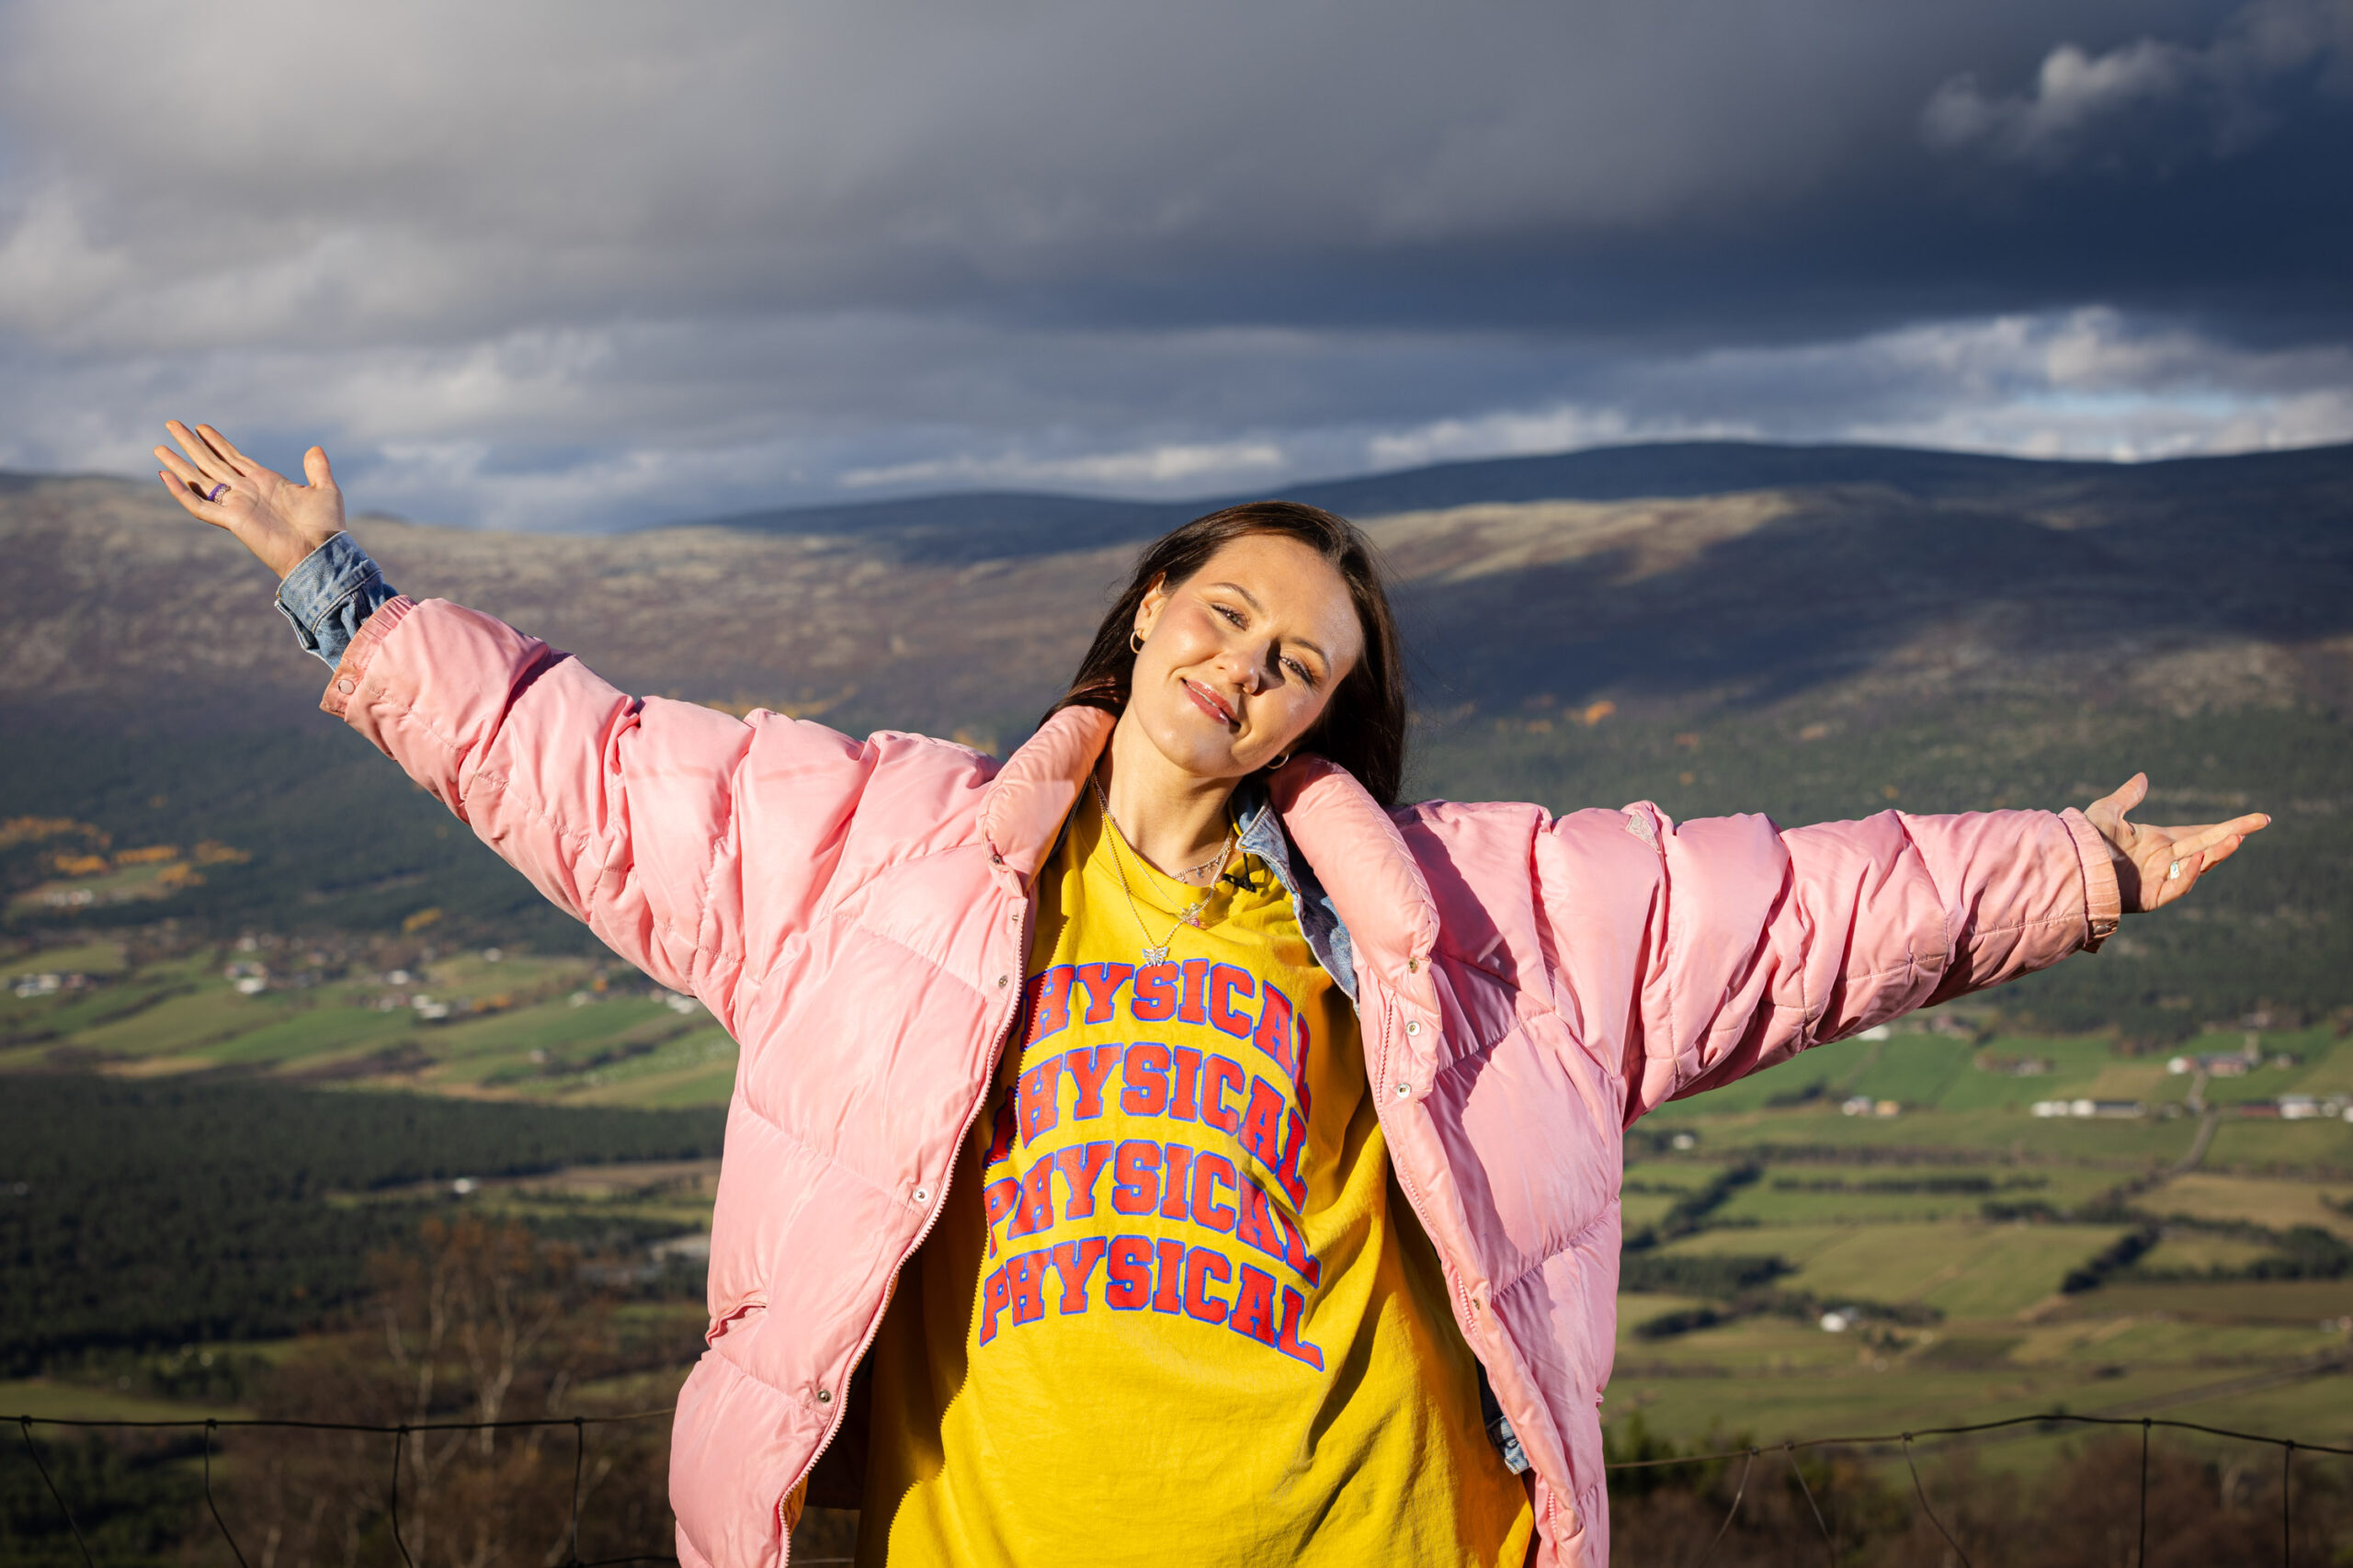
215 494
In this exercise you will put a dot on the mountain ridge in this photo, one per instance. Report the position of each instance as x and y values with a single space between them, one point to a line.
1953 635
1896 572
1655 469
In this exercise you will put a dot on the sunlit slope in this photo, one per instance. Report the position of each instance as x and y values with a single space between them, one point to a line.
1811 633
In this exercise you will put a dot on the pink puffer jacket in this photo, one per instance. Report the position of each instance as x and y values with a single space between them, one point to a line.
858 916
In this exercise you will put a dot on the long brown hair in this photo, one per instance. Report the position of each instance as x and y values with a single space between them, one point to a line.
1363 726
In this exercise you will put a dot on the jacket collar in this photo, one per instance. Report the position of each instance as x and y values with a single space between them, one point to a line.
1353 860
1035 790
1376 887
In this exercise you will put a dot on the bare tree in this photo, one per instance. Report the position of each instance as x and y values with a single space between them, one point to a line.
475 1323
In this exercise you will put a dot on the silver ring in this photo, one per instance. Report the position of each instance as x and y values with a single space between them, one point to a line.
217 491
2174 874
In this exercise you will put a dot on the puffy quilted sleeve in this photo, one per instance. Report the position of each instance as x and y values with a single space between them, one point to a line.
623 811
1760 942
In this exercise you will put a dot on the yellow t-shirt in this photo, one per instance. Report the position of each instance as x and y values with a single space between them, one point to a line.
1171 1312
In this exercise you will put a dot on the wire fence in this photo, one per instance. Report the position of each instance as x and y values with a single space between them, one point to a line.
400 1435
1903 1442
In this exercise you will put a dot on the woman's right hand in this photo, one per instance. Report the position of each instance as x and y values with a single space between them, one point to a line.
279 521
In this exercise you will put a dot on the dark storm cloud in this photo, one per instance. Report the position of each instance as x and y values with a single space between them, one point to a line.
535 262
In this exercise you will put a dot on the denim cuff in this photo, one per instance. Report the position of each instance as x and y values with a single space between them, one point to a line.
327 597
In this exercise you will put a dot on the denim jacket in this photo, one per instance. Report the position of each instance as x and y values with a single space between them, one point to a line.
328 596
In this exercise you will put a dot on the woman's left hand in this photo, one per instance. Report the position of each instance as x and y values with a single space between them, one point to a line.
2156 865
280 522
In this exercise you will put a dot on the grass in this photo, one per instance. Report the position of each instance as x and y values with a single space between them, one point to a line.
48 1399
2275 1205
1636 1308
1966 1270
1863 1207
2285 1149
1642 1209
1850 1201
2194 1251
669 1193
1681 1176
539 1027
1912 1070
2226 1302
101 957
2075 1065
326 1032
1796 1195
2329 1074
181 1024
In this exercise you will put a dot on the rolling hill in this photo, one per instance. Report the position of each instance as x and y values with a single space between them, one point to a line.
1808 631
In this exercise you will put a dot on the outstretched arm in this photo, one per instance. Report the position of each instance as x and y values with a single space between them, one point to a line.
628 815
1765 942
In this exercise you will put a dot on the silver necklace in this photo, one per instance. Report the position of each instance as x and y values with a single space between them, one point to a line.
1151 954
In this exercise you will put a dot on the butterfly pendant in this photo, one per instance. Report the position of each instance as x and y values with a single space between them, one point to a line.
1154 955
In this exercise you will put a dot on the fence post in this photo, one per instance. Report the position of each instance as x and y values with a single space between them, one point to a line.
1734 1513
1922 1492
1788 1452
400 1446
2142 1560
24 1423
234 1550
579 1459
2287 1504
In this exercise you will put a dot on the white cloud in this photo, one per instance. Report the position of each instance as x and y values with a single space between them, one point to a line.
2077 95
438 169
1526 432
1180 469
572 430
588 263
2092 383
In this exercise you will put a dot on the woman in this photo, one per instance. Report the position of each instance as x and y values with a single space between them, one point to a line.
1266 1135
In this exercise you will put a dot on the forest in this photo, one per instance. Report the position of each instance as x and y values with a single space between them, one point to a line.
140 1214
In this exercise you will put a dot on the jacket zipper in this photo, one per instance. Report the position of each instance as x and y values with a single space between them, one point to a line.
939 1206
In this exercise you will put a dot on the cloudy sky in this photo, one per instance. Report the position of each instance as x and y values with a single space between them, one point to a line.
585 266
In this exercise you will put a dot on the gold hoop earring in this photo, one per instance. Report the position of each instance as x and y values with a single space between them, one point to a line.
1135 641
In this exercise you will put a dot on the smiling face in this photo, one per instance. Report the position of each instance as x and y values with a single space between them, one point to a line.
1239 659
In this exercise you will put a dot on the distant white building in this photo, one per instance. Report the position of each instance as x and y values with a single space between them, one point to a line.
2091 1109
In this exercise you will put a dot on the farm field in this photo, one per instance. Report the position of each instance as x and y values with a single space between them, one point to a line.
474 1023
1973 1246
1967 1268
1986 1261
2226 1199
53 1399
